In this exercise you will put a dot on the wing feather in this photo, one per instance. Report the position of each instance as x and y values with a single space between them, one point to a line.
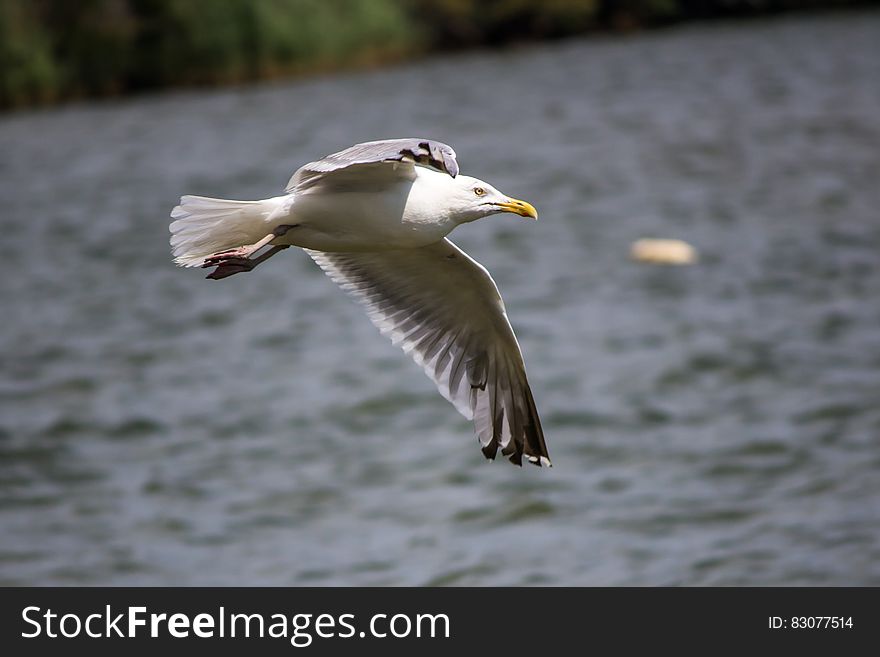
389 159
444 309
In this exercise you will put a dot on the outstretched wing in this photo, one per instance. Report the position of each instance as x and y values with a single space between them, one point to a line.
387 154
444 309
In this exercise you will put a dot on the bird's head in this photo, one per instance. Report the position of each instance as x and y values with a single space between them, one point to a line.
475 199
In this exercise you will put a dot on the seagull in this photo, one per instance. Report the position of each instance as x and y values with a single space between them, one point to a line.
375 218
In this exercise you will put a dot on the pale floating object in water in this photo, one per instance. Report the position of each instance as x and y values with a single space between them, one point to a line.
663 252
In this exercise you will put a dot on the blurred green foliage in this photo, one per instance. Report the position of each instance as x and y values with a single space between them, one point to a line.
56 49
51 49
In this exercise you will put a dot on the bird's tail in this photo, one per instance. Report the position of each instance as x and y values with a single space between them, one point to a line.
203 226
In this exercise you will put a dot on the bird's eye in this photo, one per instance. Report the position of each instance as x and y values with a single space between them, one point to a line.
479 191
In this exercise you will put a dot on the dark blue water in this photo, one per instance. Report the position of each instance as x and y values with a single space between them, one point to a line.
712 424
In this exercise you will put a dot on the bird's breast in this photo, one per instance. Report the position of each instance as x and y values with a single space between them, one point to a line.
363 221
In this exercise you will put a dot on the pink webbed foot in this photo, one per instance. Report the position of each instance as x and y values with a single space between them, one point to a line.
239 260
228 266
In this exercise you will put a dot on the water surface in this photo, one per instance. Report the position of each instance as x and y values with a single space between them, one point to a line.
714 424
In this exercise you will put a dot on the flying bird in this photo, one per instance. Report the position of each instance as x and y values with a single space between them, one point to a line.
375 218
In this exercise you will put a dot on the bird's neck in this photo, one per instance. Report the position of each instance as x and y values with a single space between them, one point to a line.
431 200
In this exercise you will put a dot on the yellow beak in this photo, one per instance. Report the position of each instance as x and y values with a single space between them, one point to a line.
521 208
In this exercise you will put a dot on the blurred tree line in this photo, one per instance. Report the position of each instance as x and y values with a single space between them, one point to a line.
59 49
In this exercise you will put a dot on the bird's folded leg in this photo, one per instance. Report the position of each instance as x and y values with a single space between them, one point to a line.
229 265
238 260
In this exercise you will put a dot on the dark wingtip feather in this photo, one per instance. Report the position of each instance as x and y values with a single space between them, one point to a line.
535 446
490 450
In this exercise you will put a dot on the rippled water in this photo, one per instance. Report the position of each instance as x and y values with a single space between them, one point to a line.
714 424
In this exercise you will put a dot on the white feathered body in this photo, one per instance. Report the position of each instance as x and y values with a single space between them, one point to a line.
374 218
402 214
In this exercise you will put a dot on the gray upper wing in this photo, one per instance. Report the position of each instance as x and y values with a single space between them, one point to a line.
443 308
425 152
